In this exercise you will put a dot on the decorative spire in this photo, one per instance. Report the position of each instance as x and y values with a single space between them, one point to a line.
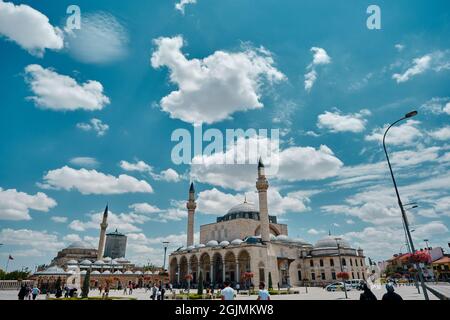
245 199
105 214
260 163
192 189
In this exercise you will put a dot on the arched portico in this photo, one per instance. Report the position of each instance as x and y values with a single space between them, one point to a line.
230 267
217 269
244 265
205 267
193 264
173 271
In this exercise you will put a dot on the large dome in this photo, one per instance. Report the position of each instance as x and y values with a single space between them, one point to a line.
331 242
80 245
243 207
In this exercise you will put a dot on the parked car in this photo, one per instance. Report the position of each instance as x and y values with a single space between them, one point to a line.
355 283
337 286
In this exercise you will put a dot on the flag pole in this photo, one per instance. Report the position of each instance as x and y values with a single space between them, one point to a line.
7 264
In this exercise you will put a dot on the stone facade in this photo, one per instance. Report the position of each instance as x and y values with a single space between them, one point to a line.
246 245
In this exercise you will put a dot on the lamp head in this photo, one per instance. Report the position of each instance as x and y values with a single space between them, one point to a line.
411 114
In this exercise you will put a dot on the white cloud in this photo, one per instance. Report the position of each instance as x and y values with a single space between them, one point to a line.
406 133
58 219
213 88
84 162
29 28
95 125
295 164
169 175
315 232
320 57
447 108
349 221
62 93
338 122
15 205
180 6
420 65
144 208
436 61
124 222
72 238
93 182
41 242
102 39
399 47
139 166
441 134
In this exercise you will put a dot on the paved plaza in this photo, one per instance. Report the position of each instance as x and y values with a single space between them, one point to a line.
407 293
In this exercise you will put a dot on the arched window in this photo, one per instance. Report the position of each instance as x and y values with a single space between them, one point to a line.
321 262
351 262
311 263
356 262
332 262
344 262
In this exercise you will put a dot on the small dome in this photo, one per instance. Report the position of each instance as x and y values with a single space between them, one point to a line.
224 244
138 272
236 242
106 272
331 242
72 262
95 272
273 237
122 260
107 259
118 272
83 272
212 243
201 245
128 272
148 272
85 262
99 262
191 248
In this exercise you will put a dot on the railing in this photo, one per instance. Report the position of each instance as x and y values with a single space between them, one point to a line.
14 284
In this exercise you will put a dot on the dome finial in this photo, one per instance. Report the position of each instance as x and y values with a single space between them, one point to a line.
260 163
245 198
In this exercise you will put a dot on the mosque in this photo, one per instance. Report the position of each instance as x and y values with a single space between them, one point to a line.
247 246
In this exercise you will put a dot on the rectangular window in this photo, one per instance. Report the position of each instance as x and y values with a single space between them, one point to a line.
356 262
351 262
313 276
333 275
299 274
353 275
321 262
332 262
311 263
323 276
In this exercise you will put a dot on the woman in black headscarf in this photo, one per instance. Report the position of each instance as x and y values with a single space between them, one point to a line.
367 295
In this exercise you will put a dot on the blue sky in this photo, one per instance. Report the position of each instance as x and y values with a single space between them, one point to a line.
87 115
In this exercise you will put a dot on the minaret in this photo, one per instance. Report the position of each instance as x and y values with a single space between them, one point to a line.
262 185
191 206
101 242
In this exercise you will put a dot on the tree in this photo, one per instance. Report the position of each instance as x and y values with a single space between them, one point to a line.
270 281
200 283
86 282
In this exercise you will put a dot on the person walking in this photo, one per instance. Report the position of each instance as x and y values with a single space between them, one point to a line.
35 292
390 295
154 294
263 294
22 292
367 295
228 292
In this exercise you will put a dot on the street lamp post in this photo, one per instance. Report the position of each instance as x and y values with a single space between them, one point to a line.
402 209
342 268
165 245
